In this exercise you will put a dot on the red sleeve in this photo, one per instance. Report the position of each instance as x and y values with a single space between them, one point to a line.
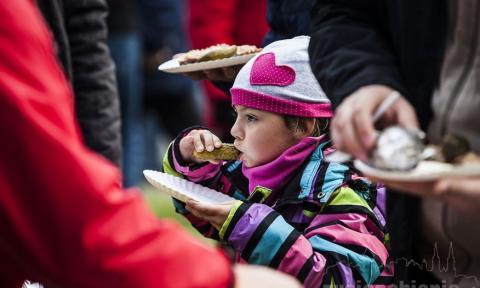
64 219
226 21
211 22
251 22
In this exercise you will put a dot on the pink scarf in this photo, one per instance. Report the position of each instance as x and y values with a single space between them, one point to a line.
274 175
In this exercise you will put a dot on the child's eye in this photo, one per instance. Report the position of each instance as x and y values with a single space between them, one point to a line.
250 118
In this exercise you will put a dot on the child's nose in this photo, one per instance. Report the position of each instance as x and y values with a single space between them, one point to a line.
235 131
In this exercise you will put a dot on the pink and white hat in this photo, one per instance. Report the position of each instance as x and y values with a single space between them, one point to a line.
280 80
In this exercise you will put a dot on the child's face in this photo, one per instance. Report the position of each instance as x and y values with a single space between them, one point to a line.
260 136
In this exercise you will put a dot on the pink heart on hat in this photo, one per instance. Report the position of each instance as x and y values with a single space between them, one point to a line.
266 72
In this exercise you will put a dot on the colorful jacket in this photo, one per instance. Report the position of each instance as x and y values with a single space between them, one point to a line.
324 225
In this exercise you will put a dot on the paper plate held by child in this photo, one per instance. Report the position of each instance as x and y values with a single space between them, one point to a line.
183 190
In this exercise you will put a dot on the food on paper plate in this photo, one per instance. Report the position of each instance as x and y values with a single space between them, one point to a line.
226 152
215 52
397 149
400 149
454 149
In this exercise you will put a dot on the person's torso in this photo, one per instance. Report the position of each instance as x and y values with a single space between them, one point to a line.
415 31
447 233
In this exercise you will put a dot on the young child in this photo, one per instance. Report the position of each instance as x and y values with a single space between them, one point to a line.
318 221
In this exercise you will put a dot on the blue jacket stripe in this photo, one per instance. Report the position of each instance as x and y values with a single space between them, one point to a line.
334 177
366 266
238 195
308 176
271 241
233 166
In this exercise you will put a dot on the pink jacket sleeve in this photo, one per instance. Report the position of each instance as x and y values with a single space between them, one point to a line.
64 219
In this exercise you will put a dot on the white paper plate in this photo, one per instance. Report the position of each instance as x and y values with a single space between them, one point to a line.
172 66
183 190
425 171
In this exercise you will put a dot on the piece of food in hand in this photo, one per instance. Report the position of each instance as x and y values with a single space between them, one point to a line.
226 152
398 149
215 52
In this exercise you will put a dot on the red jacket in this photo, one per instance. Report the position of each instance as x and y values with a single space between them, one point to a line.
64 219
226 21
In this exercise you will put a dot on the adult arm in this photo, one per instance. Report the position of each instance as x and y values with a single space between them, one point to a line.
64 219
349 48
460 193
351 57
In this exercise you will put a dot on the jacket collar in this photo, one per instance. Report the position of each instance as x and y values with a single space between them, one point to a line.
275 175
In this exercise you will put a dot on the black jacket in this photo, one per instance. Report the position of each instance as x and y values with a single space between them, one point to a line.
80 33
287 19
399 43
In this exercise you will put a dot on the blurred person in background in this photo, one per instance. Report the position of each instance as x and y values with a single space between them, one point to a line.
80 35
96 235
287 19
429 51
125 44
169 100
214 22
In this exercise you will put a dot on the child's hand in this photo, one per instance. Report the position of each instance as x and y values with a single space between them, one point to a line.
198 140
215 214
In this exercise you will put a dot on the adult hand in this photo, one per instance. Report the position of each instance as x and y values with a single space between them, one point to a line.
461 193
352 128
215 214
247 276
225 74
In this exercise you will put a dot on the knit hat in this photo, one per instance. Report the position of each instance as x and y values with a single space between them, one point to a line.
280 80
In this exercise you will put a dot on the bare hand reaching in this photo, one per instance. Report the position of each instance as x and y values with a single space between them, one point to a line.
352 128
